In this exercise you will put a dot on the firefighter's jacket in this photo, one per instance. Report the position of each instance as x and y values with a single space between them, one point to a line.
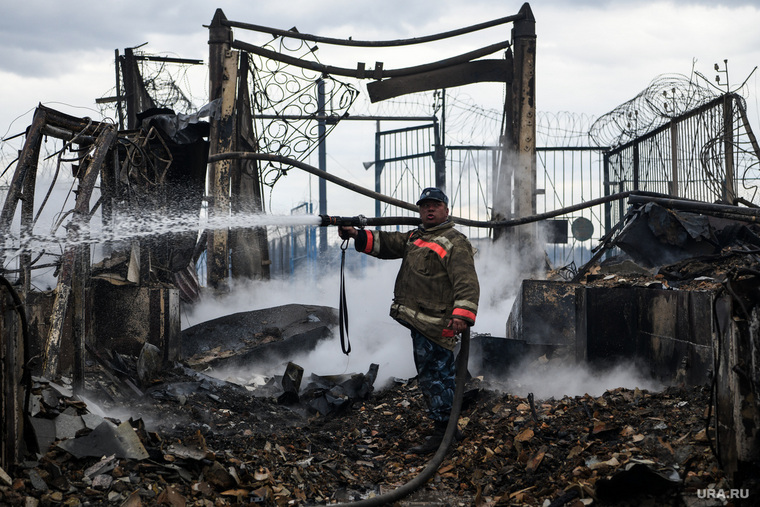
436 281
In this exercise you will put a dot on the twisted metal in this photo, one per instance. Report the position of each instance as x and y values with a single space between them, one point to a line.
167 83
289 94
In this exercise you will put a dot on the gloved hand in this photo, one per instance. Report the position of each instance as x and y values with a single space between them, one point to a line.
458 325
347 232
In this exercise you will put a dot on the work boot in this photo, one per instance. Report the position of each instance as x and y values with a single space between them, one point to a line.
433 442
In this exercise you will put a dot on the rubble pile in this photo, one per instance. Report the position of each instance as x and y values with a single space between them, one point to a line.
206 442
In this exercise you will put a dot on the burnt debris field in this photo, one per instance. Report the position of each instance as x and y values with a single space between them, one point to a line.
203 441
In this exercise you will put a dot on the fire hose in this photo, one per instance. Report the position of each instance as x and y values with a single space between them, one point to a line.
435 462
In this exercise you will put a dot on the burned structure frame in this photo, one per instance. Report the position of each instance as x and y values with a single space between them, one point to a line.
228 66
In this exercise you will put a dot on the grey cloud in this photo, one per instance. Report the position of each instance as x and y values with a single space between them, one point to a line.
35 35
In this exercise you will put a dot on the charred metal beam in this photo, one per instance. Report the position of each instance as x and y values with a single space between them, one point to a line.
108 100
68 135
222 85
295 34
515 187
458 75
696 206
249 256
84 126
377 73
333 118
522 153
137 97
68 264
27 216
120 97
168 59
80 328
27 161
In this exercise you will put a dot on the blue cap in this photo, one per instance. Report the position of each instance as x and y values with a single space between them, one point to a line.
433 194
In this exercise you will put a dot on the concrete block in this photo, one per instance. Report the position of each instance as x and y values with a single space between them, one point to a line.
543 313
667 332
124 318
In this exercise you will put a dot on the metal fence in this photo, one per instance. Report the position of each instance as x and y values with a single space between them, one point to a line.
410 159
293 249
567 176
706 152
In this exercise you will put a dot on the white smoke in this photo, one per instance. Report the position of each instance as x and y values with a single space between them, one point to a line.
376 338
556 379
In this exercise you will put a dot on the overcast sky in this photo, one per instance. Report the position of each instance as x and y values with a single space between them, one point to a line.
591 56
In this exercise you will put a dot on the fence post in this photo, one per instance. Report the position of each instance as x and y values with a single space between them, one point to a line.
674 157
222 85
729 191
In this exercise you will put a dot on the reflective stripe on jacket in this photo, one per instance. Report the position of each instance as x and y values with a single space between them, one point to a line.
436 281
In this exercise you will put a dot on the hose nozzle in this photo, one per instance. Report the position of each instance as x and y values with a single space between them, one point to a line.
357 221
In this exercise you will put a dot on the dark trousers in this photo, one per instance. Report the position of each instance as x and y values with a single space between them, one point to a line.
436 374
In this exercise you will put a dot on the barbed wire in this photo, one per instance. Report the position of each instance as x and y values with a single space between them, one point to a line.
563 128
677 99
667 97
169 85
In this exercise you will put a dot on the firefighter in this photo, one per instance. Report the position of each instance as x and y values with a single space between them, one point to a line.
435 296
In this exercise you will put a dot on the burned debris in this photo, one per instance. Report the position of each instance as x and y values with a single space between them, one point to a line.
202 441
206 441
256 338
676 301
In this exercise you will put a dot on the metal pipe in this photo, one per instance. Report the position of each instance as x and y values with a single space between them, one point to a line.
698 206
406 205
292 33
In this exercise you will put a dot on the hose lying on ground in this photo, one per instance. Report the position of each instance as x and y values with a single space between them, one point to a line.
435 462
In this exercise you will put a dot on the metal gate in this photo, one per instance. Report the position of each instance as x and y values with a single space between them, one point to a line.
293 249
410 159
